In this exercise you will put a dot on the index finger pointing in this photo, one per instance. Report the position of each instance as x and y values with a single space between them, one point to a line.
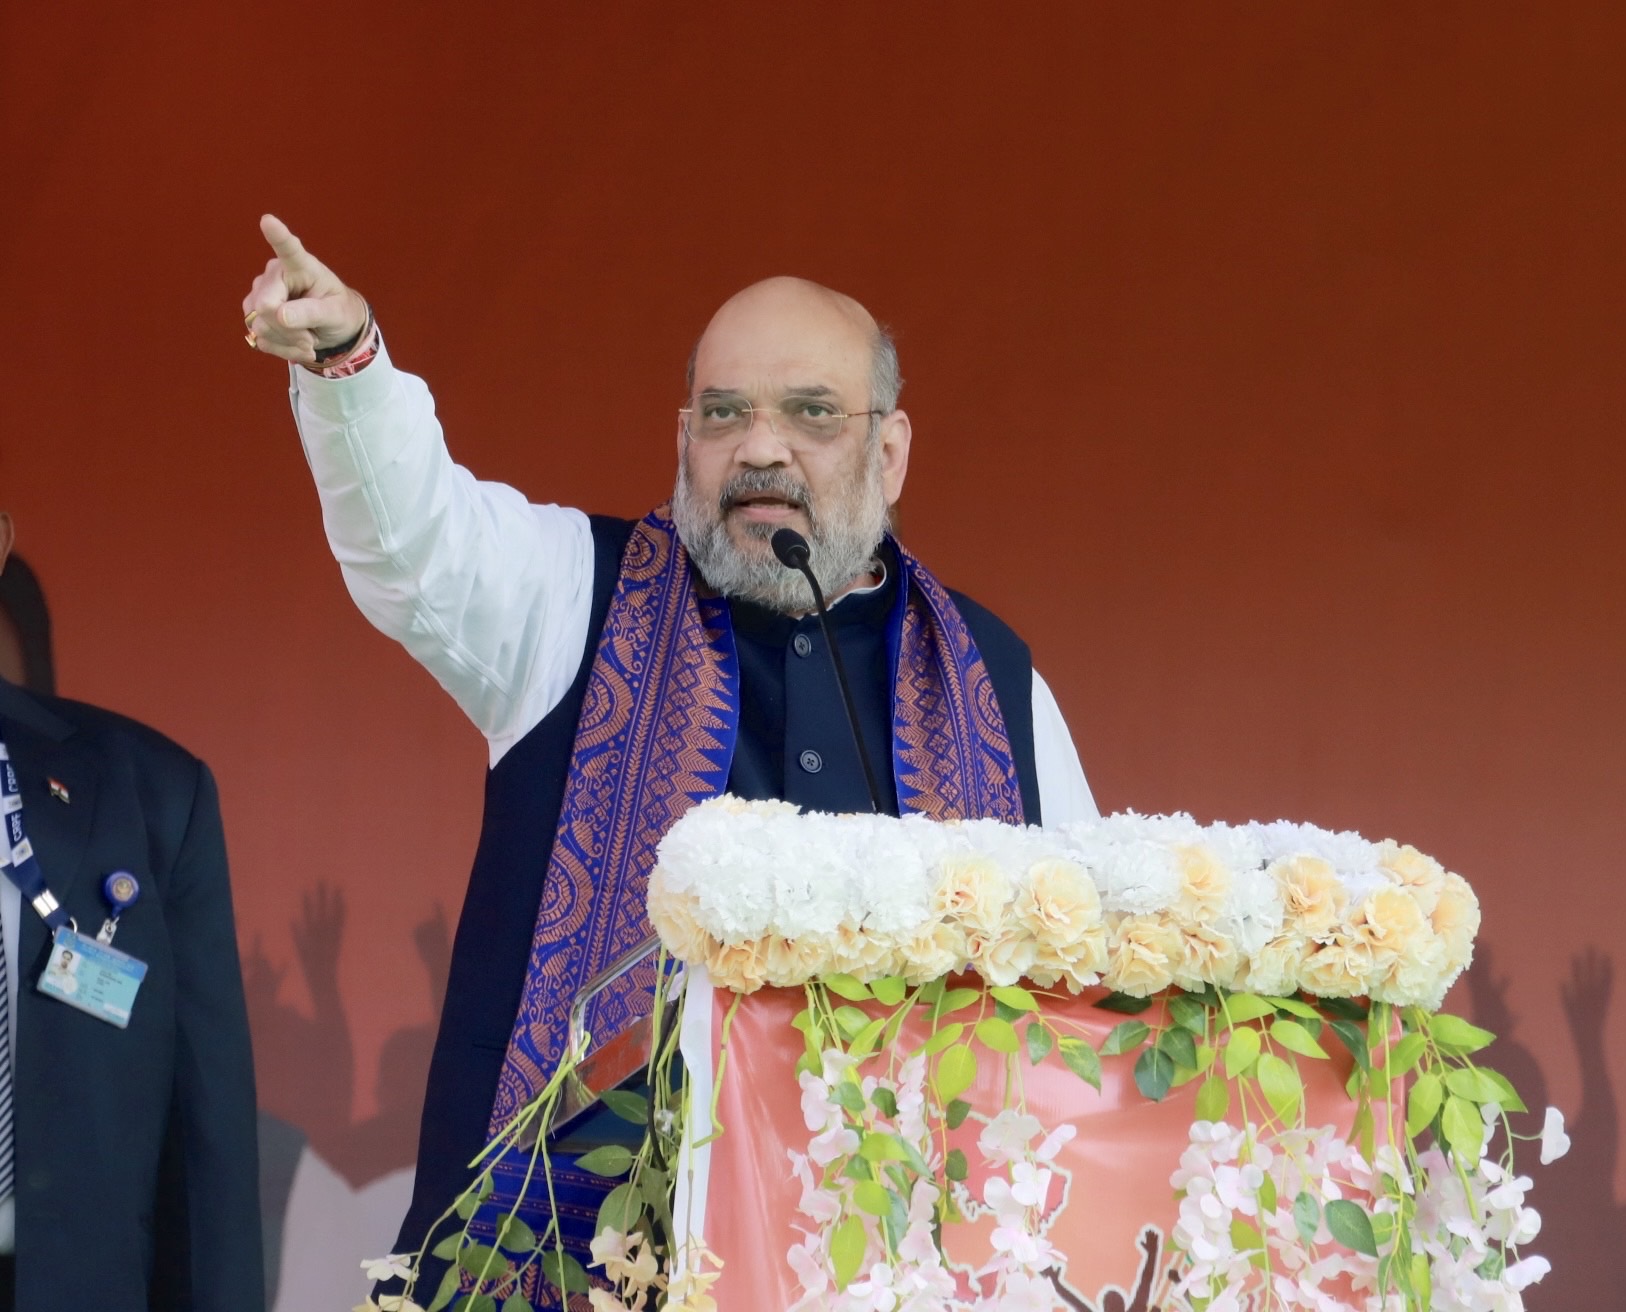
283 242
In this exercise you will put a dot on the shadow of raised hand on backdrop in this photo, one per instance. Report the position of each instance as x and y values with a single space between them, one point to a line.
306 1064
1488 994
389 1138
1583 1222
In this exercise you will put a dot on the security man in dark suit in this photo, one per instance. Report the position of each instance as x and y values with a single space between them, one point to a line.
128 1170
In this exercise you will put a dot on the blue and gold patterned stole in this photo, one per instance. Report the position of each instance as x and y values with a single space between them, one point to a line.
656 736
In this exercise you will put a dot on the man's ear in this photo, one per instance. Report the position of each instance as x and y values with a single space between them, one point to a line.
8 535
894 441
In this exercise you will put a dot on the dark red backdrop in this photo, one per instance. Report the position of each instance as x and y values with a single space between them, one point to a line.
1265 363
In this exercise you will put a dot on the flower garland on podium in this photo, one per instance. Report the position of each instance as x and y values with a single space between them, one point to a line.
926 953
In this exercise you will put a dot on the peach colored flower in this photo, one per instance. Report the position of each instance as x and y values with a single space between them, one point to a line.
1207 957
1002 958
1078 966
1142 952
1204 882
937 948
1339 968
672 913
1312 895
1411 869
788 963
1078 962
1391 923
1058 903
863 955
742 967
1456 920
1418 976
972 890
1059 906
1276 968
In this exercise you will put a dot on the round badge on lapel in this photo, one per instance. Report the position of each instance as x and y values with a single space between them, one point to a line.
120 889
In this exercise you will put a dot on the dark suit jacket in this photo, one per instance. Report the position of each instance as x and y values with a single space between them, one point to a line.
136 1164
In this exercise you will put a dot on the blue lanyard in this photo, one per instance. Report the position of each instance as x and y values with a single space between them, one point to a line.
22 867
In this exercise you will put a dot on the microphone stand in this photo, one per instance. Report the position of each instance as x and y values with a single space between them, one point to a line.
792 549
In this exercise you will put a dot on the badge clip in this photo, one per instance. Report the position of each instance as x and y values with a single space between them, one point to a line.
121 889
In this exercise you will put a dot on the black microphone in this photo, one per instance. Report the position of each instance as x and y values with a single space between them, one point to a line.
792 549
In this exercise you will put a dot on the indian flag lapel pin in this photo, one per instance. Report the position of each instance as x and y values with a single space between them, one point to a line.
59 790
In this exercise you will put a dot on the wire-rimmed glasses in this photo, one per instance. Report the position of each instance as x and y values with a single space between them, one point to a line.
722 416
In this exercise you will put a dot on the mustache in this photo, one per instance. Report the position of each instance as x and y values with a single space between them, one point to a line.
777 483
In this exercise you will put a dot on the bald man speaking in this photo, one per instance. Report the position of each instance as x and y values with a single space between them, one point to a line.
623 671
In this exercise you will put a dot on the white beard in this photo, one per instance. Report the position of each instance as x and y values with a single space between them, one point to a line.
841 538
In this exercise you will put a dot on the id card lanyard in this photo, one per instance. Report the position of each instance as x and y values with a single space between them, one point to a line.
21 865
86 973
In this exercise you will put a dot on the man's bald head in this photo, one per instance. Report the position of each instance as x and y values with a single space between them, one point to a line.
793 324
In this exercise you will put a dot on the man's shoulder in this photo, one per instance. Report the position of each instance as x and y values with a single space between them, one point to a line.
610 535
988 627
611 530
96 727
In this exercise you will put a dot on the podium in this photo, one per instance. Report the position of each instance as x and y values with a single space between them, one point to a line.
1141 1065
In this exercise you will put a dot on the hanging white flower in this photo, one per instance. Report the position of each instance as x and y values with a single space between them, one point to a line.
1554 1142
397 1266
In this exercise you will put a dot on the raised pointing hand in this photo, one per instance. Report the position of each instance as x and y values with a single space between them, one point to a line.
298 306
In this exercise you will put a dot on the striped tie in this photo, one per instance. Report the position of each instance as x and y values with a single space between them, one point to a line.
7 1162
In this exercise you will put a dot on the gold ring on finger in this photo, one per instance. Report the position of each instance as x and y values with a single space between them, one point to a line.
252 340
248 319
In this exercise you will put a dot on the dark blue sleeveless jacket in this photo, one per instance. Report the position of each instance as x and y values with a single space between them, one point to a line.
794 743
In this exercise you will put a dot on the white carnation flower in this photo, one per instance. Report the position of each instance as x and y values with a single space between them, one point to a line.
1237 847
1135 876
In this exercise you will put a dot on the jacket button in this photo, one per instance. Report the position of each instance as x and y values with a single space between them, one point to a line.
802 643
811 761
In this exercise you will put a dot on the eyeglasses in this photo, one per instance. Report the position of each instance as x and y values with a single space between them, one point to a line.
718 416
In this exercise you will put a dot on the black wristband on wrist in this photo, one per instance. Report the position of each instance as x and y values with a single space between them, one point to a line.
330 353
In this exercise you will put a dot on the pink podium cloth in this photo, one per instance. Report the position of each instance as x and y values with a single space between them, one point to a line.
1111 1216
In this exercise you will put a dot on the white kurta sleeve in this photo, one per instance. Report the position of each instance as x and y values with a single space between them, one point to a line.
490 593
1064 796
